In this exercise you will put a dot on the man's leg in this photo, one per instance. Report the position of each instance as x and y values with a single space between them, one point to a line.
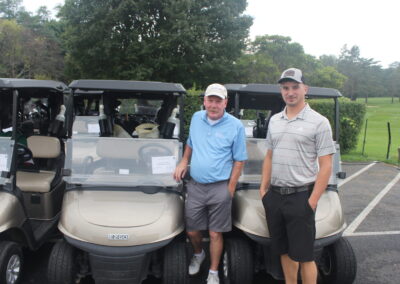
309 272
195 238
216 246
290 269
199 255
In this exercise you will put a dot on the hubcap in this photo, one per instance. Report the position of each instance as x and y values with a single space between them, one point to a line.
13 269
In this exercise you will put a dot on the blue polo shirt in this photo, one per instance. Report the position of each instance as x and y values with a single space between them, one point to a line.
215 147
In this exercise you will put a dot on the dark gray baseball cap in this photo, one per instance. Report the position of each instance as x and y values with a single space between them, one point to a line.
292 74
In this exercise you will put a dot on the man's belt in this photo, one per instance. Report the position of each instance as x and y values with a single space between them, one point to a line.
290 190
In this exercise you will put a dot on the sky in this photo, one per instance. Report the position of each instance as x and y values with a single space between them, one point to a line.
320 26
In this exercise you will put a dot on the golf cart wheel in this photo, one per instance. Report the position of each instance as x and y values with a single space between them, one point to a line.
237 262
338 263
62 267
11 260
175 263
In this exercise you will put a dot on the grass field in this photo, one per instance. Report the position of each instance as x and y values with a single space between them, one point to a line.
380 111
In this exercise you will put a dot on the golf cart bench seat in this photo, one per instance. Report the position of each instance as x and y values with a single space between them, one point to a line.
120 132
43 147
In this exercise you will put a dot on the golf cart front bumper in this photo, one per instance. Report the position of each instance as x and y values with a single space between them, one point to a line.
118 264
318 244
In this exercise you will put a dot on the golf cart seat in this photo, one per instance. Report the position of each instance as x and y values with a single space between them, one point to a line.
120 132
42 147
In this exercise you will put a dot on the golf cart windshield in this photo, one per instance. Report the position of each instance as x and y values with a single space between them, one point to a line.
123 162
256 150
6 149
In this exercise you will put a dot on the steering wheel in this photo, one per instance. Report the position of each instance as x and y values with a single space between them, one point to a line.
150 150
23 153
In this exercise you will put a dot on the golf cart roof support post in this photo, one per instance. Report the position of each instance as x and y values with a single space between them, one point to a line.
13 166
69 116
337 124
237 110
14 114
181 118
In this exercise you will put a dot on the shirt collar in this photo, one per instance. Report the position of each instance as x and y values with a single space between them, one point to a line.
300 115
204 117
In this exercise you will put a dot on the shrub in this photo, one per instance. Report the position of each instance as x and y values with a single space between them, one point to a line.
192 103
351 117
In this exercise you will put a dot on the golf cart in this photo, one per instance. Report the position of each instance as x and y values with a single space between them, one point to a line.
31 159
249 250
122 213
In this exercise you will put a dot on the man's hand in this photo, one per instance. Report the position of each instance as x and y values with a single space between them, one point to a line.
262 193
313 204
231 190
180 170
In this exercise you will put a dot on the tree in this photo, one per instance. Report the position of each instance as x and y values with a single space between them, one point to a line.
255 68
11 49
363 74
9 8
281 50
194 42
327 77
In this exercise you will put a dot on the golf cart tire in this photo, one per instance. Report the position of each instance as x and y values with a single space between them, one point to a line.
10 252
175 263
343 263
62 267
237 262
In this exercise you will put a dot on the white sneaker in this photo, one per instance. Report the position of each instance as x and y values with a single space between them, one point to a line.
195 263
212 278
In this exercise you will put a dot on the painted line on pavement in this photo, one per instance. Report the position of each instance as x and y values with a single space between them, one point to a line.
356 174
360 234
360 218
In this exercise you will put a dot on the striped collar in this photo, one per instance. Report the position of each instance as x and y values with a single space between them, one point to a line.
301 115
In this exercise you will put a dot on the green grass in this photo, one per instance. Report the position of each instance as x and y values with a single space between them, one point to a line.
380 111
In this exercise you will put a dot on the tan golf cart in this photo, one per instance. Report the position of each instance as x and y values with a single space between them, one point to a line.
248 249
122 214
31 159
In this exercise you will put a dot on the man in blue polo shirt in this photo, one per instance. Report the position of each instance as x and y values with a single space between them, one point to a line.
216 150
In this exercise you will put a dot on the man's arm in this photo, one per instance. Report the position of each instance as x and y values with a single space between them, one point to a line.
325 170
236 172
266 173
181 168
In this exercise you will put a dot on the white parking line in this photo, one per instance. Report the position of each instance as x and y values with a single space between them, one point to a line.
357 221
360 234
356 174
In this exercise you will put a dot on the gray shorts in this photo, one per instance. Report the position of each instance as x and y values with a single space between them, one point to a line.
208 207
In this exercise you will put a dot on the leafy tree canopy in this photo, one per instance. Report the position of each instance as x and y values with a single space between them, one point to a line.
187 41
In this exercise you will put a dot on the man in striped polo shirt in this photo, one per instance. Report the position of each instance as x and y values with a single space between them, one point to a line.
296 172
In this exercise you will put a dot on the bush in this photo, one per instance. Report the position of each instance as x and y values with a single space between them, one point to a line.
192 103
351 117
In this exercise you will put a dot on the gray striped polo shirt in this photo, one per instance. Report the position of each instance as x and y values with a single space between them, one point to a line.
296 145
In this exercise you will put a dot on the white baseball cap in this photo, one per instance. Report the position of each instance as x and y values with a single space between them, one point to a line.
216 90
292 74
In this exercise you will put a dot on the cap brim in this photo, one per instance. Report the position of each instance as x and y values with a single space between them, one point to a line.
282 80
215 95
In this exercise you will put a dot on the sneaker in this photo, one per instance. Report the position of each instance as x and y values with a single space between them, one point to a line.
195 263
212 278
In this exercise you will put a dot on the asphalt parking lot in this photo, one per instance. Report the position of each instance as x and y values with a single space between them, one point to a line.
370 198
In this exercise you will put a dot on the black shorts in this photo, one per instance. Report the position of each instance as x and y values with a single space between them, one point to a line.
291 223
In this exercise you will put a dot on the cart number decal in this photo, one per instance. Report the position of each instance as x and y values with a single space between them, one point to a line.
118 237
